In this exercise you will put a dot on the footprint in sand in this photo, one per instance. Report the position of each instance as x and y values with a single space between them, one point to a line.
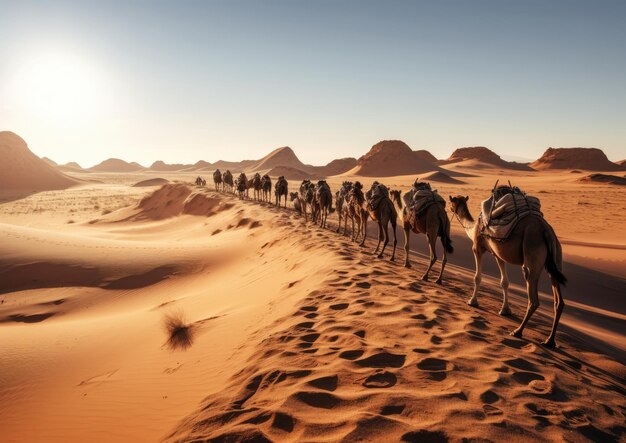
352 354
380 379
489 397
491 410
383 360
283 422
326 383
339 306
423 436
392 409
321 400
524 377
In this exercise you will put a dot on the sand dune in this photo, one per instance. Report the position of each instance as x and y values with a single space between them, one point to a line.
336 167
289 173
590 159
21 170
297 333
162 166
152 182
603 178
389 158
439 176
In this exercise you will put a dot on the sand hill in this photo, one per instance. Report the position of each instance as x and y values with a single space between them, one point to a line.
481 157
116 165
151 182
50 161
20 169
439 176
426 155
621 162
604 178
591 159
390 158
278 157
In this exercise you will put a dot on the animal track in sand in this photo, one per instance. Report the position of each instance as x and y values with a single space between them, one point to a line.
380 379
339 306
392 409
432 364
321 400
283 421
520 363
424 436
328 383
383 360
352 354
491 410
525 378
489 397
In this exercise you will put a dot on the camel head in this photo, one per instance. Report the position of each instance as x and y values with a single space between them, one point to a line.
396 195
458 202
293 196
358 185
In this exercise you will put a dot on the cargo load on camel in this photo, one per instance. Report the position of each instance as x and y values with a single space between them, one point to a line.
504 209
420 197
377 193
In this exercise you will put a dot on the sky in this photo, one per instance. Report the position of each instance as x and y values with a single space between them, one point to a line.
186 80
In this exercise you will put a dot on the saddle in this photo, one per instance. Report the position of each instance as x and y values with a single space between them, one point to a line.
421 200
504 209
376 195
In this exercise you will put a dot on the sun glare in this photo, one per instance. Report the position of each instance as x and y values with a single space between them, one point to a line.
59 87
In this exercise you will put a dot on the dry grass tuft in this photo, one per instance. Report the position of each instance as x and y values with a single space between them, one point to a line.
180 333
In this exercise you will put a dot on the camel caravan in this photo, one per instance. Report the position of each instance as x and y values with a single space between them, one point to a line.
510 226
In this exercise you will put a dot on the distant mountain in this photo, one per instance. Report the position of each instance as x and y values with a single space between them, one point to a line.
591 159
390 158
49 161
482 155
337 166
162 166
116 165
278 157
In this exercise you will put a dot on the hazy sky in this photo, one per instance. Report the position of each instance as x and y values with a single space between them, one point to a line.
188 80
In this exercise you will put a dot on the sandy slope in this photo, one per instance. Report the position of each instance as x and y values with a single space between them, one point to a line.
299 335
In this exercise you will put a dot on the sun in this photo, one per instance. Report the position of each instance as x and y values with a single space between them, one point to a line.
59 87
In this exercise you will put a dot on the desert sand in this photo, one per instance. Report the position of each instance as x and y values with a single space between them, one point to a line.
173 312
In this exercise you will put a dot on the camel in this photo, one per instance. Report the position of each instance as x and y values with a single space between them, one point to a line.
341 199
357 212
256 186
217 179
281 188
382 210
531 244
249 185
295 198
266 185
307 195
242 186
323 201
229 184
430 219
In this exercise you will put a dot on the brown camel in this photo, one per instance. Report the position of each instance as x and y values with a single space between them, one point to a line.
341 201
307 195
323 201
357 212
426 218
242 186
229 184
531 244
256 186
281 189
382 211
266 184
295 198
217 179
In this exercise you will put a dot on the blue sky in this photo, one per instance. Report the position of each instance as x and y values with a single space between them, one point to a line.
189 80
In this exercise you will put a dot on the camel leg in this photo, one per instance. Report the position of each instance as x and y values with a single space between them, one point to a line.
395 241
386 234
559 304
504 282
433 255
352 234
444 260
339 224
407 232
364 222
380 236
532 280
478 258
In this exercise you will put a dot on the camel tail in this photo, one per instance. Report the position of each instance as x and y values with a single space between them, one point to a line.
551 260
445 233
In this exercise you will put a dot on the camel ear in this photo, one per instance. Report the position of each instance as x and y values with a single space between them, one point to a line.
466 198
450 198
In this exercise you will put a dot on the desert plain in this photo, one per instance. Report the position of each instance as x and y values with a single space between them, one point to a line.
290 332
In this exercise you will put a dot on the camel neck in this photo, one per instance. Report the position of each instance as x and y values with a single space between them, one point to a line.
466 220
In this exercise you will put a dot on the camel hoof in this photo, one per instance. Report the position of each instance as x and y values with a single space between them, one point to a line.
424 278
438 281
380 255
392 259
407 265
472 302
516 333
505 312
549 343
